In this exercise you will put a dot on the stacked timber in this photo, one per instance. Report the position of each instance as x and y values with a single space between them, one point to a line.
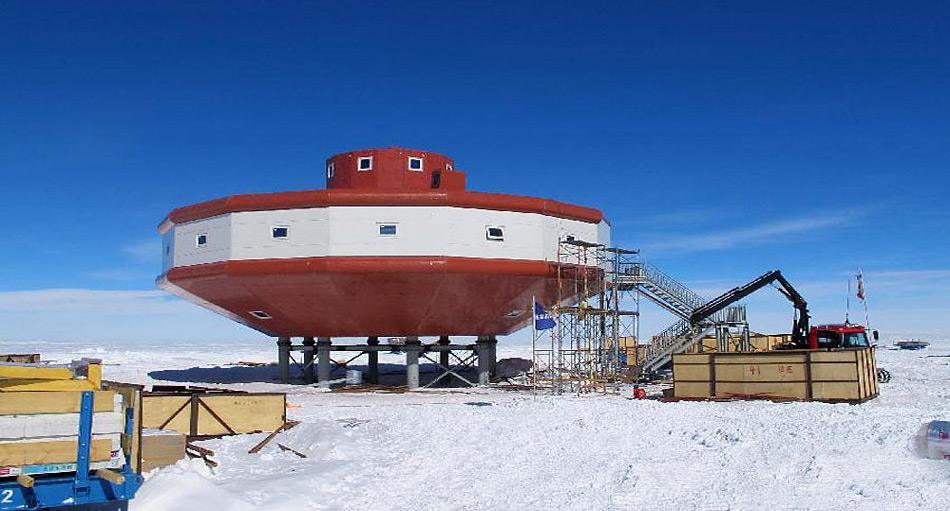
840 375
39 431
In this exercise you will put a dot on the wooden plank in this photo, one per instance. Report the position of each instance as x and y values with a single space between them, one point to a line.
26 403
771 357
691 358
824 371
42 385
835 391
691 372
60 451
161 448
241 413
165 412
875 384
689 389
217 413
788 390
260 445
760 372
34 372
847 355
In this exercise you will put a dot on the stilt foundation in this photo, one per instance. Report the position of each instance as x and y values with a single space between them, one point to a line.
316 365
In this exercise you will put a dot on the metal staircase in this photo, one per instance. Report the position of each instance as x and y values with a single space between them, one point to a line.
675 297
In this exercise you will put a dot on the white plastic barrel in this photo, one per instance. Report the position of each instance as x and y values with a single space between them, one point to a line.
938 440
354 377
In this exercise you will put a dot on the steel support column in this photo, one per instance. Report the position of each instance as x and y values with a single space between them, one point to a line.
484 348
323 360
413 347
283 359
308 370
373 356
444 355
493 356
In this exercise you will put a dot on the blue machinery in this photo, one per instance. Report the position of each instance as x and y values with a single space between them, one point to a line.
103 490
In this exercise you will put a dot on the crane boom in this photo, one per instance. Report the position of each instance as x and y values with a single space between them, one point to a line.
800 325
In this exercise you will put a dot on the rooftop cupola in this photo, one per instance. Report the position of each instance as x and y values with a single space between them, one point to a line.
392 169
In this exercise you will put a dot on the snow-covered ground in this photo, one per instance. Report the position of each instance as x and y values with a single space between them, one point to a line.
496 449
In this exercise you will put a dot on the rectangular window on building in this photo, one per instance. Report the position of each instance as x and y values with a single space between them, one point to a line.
365 163
330 169
387 230
280 232
494 233
415 164
201 240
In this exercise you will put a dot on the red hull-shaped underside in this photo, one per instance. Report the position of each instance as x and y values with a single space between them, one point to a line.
373 296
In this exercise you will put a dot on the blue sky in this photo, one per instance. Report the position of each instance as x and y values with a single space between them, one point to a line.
724 139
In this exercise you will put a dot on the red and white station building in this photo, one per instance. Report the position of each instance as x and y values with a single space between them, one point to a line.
394 246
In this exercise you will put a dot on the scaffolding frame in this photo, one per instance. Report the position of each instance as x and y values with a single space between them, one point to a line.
596 322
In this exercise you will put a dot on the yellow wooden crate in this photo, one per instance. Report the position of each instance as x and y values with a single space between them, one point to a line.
848 375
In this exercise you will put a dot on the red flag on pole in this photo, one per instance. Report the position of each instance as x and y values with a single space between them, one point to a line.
860 286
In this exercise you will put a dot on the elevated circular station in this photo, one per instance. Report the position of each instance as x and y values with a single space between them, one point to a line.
393 246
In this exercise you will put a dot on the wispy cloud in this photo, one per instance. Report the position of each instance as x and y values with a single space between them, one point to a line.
141 260
145 251
89 314
82 300
680 217
770 232
120 274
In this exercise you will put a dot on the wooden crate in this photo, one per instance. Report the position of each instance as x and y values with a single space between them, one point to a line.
161 448
846 375
199 414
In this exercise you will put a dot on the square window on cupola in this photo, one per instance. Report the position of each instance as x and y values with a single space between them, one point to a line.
415 164
364 163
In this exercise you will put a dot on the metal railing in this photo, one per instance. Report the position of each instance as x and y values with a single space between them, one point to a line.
646 274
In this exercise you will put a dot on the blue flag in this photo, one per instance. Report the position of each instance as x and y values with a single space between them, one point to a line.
542 320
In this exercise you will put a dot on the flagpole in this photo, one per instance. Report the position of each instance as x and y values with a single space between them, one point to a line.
864 299
534 348
847 310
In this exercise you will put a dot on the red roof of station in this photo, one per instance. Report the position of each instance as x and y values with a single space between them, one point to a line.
385 177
